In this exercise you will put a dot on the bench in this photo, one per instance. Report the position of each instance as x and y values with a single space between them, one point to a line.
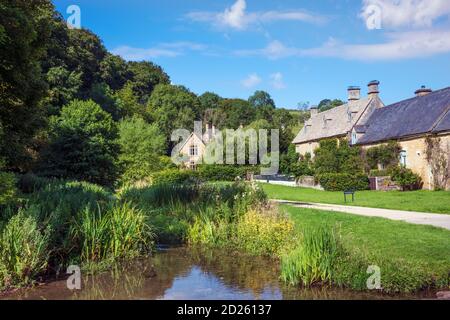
347 193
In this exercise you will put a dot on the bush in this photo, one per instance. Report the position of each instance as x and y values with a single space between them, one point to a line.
343 181
264 232
223 172
175 176
406 178
29 183
23 251
380 173
7 187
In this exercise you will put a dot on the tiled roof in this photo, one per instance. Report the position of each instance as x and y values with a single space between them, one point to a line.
418 115
333 122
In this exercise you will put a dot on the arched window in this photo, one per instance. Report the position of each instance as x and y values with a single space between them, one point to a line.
403 155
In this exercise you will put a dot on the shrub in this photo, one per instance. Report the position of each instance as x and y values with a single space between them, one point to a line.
175 176
406 178
343 181
29 183
264 232
380 173
313 260
386 155
23 250
336 156
223 172
82 144
7 187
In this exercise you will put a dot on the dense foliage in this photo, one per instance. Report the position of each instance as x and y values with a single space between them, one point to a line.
343 181
82 144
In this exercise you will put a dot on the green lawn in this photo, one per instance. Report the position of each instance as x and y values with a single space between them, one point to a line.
410 256
422 201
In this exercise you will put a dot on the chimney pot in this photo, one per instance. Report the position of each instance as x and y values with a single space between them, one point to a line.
354 93
373 88
423 91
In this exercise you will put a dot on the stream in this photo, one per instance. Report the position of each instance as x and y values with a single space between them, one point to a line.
190 274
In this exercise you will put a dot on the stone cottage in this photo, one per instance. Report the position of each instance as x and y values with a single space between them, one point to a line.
410 122
339 122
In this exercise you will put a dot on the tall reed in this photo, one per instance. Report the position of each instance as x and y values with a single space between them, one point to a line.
313 260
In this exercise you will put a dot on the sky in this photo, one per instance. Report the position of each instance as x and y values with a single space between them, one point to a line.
297 50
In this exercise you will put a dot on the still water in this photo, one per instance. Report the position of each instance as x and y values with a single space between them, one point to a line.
188 274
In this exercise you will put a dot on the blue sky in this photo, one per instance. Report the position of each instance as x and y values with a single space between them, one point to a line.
297 50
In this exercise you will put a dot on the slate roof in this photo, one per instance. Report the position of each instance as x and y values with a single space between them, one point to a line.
415 116
338 122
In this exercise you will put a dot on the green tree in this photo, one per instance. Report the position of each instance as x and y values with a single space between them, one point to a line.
328 104
145 76
82 145
142 146
261 99
64 87
85 53
114 71
237 112
173 107
25 28
128 102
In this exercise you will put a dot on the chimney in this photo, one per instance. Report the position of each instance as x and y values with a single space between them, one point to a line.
354 94
373 88
314 111
423 91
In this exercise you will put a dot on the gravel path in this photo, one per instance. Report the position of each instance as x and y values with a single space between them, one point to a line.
432 219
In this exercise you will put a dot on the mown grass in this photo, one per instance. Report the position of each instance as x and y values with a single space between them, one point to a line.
411 257
421 201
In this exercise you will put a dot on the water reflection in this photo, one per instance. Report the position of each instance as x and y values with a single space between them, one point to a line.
191 274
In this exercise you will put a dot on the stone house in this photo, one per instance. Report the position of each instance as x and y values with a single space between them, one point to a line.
195 146
339 122
410 123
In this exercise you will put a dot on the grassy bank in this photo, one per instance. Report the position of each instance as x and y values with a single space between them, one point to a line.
422 201
411 257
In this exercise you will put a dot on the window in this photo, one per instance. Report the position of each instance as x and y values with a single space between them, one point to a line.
403 155
192 165
193 151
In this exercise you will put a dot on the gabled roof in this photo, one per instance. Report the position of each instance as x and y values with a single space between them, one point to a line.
338 122
415 116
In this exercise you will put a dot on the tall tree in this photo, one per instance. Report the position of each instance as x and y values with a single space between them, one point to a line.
25 28
145 77
173 107
261 99
82 144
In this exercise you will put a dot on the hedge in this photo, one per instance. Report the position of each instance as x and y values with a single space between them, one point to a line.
175 176
223 172
343 181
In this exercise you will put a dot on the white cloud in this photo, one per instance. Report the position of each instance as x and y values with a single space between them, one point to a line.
398 45
407 13
236 17
168 50
277 81
251 81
